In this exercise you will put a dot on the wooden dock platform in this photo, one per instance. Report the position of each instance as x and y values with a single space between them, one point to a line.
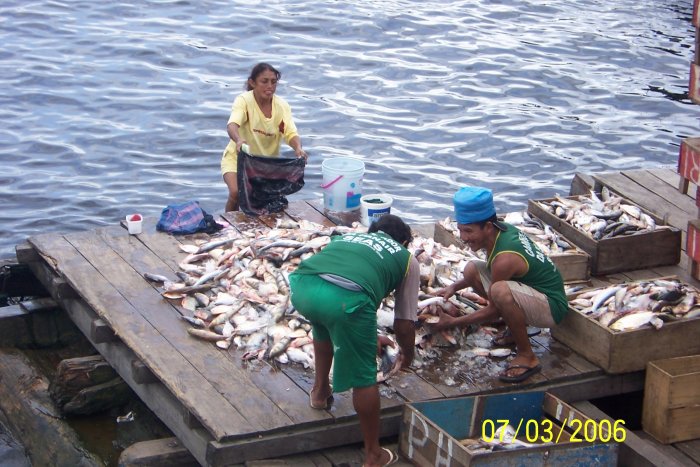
226 411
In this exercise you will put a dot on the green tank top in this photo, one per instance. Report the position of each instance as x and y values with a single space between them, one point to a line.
542 275
374 261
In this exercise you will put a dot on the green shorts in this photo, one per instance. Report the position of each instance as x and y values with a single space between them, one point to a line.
348 319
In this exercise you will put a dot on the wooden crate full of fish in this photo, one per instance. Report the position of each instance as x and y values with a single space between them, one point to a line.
572 262
623 326
524 429
618 235
671 411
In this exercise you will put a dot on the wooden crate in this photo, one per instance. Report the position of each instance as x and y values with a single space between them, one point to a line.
661 247
671 411
430 432
627 351
573 266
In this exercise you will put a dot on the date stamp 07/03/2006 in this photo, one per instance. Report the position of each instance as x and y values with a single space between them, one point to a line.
545 431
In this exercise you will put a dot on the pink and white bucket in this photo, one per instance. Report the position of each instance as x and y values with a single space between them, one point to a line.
342 183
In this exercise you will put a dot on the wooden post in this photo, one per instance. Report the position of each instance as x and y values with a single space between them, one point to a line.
86 385
696 6
100 332
34 418
167 452
693 248
142 374
693 85
689 165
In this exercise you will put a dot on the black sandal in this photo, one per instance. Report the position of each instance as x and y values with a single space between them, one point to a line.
498 340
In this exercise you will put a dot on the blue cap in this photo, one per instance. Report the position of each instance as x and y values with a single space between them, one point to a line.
473 204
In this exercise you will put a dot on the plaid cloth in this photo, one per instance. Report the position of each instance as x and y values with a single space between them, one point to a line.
186 218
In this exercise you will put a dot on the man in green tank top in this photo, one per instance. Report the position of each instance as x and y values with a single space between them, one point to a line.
339 291
521 284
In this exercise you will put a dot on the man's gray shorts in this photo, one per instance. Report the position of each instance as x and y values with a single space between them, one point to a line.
533 303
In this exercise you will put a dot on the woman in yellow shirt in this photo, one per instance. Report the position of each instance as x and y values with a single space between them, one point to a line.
259 119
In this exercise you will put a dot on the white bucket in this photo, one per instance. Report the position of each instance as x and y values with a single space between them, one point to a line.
372 211
342 183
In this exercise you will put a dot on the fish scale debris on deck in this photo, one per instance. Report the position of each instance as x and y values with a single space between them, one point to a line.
234 291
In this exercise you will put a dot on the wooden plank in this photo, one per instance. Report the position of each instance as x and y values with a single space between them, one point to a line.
635 451
342 402
670 193
165 452
581 184
266 398
164 245
595 387
242 221
671 455
283 391
299 210
651 202
413 388
298 440
162 402
272 220
311 459
346 455
690 449
554 368
346 218
672 178
146 342
571 363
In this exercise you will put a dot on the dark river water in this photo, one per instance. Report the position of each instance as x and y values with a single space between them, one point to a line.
107 108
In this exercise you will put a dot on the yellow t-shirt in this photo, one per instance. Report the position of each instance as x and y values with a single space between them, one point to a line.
263 135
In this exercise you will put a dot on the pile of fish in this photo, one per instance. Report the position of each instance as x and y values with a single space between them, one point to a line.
628 306
233 290
601 217
543 235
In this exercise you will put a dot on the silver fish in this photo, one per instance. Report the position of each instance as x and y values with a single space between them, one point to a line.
280 347
632 321
196 322
155 277
215 244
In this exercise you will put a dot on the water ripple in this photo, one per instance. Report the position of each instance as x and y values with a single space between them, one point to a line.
111 107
